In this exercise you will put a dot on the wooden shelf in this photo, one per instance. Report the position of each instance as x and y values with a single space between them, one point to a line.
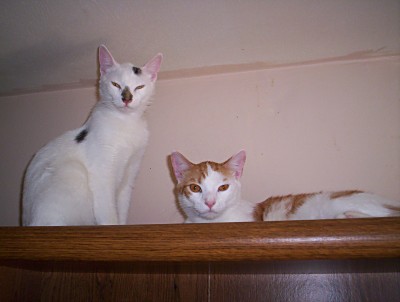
325 260
286 240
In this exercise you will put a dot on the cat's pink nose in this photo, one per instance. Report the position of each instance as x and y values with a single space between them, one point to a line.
210 203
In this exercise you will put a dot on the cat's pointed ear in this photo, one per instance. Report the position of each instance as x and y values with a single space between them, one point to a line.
153 66
106 60
180 165
236 163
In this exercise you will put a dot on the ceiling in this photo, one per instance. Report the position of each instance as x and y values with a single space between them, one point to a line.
50 44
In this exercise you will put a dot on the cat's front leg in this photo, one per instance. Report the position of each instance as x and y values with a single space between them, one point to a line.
124 201
125 192
104 205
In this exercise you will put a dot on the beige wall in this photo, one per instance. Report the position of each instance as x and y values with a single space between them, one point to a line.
327 126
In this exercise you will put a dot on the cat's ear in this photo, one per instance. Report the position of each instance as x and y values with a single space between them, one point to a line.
236 163
106 60
180 165
153 66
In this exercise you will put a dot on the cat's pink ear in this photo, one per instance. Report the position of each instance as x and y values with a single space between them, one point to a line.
236 163
153 66
106 60
180 165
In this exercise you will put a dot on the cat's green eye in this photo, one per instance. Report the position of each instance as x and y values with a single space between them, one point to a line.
195 188
116 85
139 87
223 188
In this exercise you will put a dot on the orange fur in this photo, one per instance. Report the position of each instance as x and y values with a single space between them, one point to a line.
297 201
294 203
198 172
344 193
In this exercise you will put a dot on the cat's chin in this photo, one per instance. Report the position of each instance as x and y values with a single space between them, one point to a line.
209 215
126 108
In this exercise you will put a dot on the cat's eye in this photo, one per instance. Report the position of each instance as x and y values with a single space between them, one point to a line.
139 87
116 85
223 188
195 188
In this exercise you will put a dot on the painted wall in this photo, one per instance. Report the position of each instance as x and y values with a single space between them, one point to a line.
327 126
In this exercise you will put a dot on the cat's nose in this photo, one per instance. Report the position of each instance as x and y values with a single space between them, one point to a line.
126 95
210 203
126 101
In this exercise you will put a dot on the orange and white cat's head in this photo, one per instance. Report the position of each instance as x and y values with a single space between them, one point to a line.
206 190
124 85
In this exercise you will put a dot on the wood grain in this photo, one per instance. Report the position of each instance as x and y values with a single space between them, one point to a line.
329 260
286 240
305 287
66 282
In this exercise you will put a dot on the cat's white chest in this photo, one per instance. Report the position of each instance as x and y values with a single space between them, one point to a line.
120 140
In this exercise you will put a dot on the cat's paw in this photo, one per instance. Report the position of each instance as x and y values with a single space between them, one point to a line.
109 221
352 214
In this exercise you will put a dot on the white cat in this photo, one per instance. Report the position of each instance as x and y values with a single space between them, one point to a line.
210 192
86 176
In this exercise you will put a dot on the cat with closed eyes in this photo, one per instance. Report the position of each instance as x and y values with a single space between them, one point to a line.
211 192
86 175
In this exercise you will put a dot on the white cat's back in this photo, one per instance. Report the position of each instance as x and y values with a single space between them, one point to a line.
55 182
58 179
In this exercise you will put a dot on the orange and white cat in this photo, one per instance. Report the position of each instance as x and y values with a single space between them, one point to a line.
211 192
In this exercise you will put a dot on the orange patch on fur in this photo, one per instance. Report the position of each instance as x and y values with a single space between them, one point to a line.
344 193
294 202
297 201
198 172
265 207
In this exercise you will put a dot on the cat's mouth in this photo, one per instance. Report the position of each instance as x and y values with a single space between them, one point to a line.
125 105
209 214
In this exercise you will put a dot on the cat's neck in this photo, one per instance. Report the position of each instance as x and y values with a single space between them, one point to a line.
105 114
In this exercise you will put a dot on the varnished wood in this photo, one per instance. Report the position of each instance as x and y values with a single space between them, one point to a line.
330 260
376 287
286 240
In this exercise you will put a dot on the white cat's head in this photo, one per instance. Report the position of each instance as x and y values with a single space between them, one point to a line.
207 189
125 86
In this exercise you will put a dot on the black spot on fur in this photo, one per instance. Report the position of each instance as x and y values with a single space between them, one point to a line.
81 136
136 70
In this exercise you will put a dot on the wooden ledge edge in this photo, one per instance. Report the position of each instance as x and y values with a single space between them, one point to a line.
282 240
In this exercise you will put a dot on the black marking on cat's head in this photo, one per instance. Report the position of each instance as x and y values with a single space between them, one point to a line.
136 70
81 136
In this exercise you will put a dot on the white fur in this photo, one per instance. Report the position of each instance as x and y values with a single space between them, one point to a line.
322 206
71 183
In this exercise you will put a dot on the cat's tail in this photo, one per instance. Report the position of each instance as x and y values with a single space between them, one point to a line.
394 211
374 206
